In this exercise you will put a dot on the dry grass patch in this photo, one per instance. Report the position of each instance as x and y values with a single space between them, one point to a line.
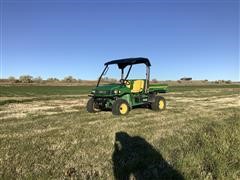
40 107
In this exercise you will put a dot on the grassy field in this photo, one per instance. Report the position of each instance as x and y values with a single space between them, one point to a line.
46 133
20 94
43 90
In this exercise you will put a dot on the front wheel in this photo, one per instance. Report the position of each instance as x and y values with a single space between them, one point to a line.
159 104
120 107
92 107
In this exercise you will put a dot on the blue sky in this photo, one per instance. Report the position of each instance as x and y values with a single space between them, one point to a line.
51 38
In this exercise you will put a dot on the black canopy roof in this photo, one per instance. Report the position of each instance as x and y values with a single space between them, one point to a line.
122 63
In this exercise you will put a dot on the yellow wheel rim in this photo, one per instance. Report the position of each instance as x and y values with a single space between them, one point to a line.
161 104
123 108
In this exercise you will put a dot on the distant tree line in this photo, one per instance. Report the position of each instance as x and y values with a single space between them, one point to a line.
71 79
107 79
189 80
31 79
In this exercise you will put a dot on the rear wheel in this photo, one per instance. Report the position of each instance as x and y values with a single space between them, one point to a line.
120 107
92 107
159 104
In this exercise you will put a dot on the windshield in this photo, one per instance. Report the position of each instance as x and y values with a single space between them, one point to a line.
113 75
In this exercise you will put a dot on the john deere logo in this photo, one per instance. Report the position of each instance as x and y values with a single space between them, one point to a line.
102 92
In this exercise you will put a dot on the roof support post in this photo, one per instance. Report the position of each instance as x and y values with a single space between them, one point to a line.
99 79
147 78
122 73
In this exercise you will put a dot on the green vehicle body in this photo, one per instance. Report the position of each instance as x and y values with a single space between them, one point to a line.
107 94
104 96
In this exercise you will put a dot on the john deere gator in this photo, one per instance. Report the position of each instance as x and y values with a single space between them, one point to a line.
121 97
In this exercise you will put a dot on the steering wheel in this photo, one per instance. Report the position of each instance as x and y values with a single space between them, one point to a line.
126 82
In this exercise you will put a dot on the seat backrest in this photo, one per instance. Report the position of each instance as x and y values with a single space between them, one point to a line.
138 86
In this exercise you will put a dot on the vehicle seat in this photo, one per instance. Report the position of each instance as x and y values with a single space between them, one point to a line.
138 86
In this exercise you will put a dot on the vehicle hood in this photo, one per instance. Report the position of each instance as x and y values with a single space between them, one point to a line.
108 87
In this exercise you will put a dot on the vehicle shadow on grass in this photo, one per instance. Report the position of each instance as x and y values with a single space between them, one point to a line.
135 158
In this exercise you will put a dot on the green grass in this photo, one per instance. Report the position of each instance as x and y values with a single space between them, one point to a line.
20 94
43 90
197 139
12 91
23 93
200 87
211 152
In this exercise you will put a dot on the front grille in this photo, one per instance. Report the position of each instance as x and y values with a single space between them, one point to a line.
102 92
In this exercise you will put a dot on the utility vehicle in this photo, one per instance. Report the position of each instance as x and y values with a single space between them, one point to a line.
128 93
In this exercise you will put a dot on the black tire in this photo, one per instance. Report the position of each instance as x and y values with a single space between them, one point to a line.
91 106
159 104
120 107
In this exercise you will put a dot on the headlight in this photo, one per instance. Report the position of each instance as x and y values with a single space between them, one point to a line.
115 91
